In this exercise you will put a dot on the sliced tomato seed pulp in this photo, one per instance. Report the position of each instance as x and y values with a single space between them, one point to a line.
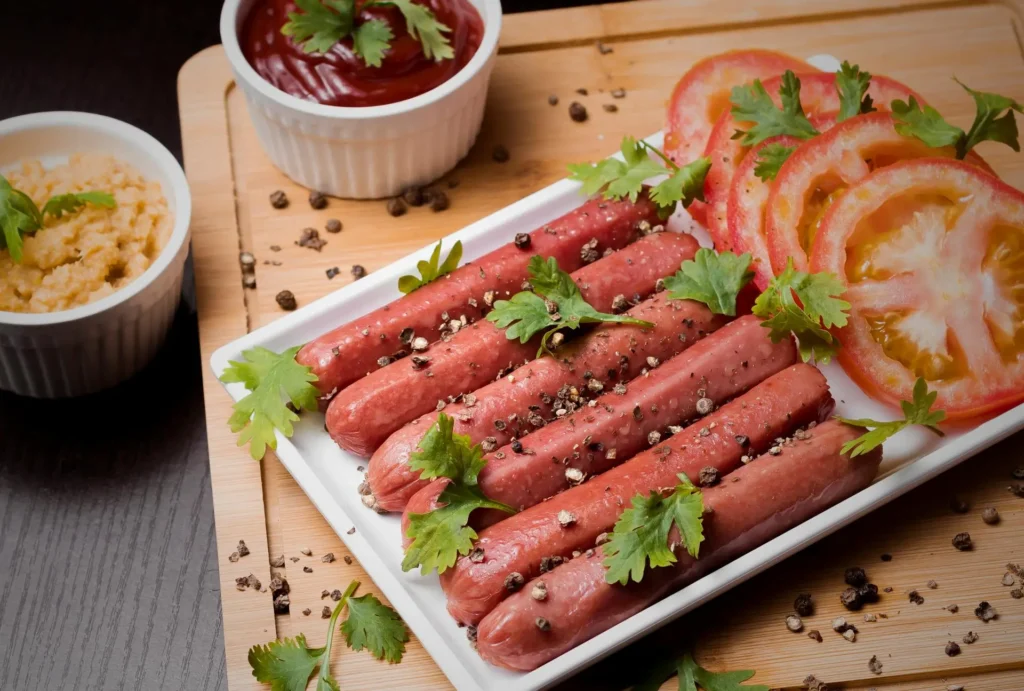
932 252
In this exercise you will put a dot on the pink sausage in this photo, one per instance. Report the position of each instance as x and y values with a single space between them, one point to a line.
747 425
349 352
513 406
754 504
723 365
362 416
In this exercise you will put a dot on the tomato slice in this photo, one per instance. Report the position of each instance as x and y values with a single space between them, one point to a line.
747 199
932 254
817 96
818 172
701 96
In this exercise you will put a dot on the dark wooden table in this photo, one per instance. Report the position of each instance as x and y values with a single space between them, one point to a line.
108 568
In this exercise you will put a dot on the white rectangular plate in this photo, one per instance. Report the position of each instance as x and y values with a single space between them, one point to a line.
329 476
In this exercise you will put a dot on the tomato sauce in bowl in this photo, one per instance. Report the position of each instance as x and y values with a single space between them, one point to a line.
340 77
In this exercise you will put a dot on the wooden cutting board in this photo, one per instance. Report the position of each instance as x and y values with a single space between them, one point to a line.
920 42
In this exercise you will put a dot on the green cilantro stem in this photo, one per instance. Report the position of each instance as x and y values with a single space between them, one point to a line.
325 664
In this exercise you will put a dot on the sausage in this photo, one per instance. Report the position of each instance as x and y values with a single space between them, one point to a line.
744 427
361 417
611 353
594 439
766 498
350 351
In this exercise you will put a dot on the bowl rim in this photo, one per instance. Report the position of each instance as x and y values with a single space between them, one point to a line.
491 17
147 145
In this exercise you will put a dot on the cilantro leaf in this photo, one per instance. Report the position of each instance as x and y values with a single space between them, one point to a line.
429 270
770 160
993 121
641 533
852 86
371 39
751 103
915 412
441 535
267 375
818 310
924 123
423 26
321 24
714 279
69 203
286 664
692 676
442 453
617 179
562 306
373 625
19 216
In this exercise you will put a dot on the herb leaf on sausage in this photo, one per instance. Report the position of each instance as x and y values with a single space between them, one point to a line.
915 412
441 535
616 179
641 533
271 378
993 121
752 104
806 305
852 86
554 304
712 278
287 664
430 270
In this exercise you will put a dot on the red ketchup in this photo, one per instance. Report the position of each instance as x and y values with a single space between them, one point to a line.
340 77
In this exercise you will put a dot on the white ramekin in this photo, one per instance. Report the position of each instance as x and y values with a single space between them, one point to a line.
95 346
372 152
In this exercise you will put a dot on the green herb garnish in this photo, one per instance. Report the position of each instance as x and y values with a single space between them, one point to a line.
441 535
19 215
805 305
270 378
916 412
770 160
852 85
641 533
429 270
288 664
751 103
617 179
323 23
993 121
554 304
692 676
715 279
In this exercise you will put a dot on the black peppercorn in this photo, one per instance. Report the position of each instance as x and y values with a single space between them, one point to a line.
396 207
804 605
962 541
278 199
286 300
855 576
317 200
500 154
577 112
851 599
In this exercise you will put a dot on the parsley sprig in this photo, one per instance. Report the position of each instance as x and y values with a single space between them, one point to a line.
441 535
288 664
641 533
805 305
617 179
19 215
270 378
770 159
993 121
692 675
715 279
751 103
554 304
429 270
852 85
323 23
915 412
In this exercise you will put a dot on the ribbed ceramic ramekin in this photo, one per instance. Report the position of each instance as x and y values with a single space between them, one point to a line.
95 346
371 152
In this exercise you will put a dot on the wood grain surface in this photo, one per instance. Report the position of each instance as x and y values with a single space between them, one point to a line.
653 44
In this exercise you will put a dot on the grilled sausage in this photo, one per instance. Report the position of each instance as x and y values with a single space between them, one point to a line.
594 439
361 417
349 352
742 428
512 406
767 497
